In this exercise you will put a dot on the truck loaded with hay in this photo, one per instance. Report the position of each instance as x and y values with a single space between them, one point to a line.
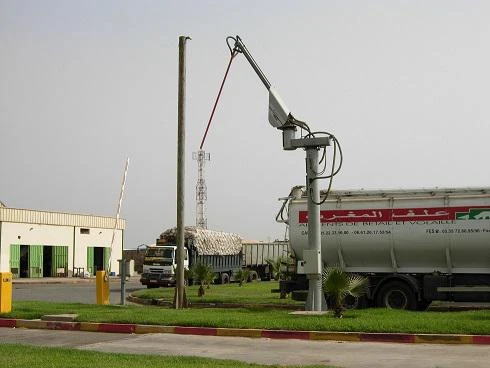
221 250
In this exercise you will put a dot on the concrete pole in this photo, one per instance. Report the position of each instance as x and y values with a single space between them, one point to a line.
180 289
316 299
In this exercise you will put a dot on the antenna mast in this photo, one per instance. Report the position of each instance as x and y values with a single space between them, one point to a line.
201 190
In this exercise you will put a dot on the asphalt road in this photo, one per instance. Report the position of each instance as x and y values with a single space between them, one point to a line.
70 290
263 351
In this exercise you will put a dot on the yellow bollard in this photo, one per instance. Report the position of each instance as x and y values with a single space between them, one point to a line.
102 287
5 292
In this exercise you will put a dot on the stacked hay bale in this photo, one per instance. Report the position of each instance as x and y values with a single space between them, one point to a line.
206 242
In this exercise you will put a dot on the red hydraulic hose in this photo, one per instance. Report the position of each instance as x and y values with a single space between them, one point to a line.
233 54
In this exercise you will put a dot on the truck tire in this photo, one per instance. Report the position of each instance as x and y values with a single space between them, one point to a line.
351 302
225 278
396 295
355 302
254 276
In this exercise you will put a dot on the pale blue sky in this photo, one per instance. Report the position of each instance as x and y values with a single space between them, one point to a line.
404 85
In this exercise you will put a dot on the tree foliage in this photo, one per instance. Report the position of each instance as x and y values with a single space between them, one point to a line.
242 275
338 284
276 267
204 274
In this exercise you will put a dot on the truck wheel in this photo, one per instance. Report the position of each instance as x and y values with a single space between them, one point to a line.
355 302
351 302
396 295
225 278
254 276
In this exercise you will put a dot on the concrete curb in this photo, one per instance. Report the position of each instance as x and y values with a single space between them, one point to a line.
271 334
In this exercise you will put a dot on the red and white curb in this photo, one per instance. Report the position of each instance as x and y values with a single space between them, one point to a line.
271 334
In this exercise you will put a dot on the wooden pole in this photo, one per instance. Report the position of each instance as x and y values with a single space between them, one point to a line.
180 288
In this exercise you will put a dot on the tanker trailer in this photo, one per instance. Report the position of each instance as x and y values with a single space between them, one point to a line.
414 246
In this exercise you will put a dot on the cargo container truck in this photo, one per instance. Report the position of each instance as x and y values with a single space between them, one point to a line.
220 249
414 246
256 257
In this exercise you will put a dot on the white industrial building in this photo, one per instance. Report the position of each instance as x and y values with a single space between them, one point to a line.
37 244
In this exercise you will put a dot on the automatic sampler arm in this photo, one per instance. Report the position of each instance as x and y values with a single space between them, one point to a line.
280 116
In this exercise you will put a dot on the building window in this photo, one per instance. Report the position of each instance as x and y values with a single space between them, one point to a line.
84 231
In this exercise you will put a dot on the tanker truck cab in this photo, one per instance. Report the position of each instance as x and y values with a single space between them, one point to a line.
159 265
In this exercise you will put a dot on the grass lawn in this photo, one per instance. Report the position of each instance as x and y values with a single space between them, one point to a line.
21 356
250 293
266 316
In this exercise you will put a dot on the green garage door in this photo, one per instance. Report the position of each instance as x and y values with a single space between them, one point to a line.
15 260
107 256
90 260
35 261
59 260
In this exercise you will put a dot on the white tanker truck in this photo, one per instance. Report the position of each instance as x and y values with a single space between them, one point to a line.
414 246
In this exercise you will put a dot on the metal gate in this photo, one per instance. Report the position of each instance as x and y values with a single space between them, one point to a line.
35 261
59 261
15 260
107 256
90 260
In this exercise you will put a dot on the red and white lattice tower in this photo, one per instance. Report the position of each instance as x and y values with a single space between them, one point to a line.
201 189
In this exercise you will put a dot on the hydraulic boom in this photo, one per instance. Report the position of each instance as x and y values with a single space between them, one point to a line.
281 118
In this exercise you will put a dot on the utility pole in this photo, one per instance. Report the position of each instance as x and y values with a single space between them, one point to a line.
180 288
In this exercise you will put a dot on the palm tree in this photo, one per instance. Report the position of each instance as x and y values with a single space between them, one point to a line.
210 276
276 267
202 273
338 284
242 275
